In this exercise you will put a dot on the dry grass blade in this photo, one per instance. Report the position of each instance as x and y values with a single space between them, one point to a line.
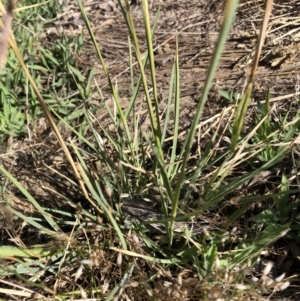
261 39
12 43
244 102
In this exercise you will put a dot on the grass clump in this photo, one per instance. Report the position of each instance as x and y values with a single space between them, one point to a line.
49 64
144 214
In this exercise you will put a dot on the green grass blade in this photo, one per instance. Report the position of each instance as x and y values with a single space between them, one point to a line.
47 217
270 234
113 90
11 251
89 183
145 10
173 168
168 108
239 118
228 20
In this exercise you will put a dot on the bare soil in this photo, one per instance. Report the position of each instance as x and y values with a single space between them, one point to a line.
196 23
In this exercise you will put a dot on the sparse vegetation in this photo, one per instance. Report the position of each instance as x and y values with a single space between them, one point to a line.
124 211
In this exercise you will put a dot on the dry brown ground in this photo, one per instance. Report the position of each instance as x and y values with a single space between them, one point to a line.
197 23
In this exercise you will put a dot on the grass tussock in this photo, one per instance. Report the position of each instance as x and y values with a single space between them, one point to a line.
150 205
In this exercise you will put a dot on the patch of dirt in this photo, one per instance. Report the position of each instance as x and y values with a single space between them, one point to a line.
196 25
